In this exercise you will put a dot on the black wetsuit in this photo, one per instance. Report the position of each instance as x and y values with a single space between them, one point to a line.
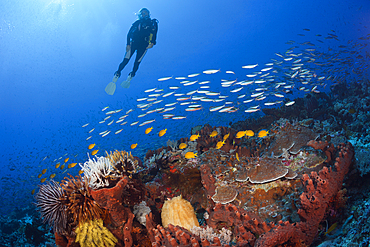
141 34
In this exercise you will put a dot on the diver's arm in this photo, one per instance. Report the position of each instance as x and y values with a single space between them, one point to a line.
131 31
154 38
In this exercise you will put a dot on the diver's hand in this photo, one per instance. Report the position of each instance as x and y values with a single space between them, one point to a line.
150 46
128 47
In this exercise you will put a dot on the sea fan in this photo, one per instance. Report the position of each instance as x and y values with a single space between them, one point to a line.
50 201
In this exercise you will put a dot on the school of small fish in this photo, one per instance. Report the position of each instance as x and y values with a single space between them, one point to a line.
303 68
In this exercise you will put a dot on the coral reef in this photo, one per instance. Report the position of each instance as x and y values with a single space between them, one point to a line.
271 191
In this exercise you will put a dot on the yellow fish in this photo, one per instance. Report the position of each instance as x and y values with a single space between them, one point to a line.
263 133
220 144
249 133
33 191
182 146
162 132
133 146
91 146
194 137
94 152
57 165
240 134
44 171
43 180
52 175
62 166
148 130
237 156
66 160
214 133
80 172
190 155
226 136
72 165
331 228
39 176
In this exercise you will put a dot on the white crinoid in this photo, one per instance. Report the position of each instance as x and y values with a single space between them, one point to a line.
97 171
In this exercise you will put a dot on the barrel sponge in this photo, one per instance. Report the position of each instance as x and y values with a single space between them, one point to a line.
179 212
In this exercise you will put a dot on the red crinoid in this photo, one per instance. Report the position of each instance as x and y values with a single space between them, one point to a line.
80 205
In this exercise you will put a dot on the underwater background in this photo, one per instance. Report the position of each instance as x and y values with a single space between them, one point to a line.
58 56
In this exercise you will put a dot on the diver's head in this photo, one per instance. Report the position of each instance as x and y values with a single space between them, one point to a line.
143 14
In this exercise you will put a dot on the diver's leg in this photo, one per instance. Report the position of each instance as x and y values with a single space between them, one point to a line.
125 61
139 57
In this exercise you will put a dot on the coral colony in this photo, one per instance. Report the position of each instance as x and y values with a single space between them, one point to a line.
271 191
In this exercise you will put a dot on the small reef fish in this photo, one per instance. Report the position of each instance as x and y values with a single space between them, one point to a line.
39 176
211 71
179 117
165 78
105 134
62 166
263 133
133 146
148 130
249 133
105 108
240 134
88 138
33 191
80 172
226 136
162 132
214 133
220 144
237 156
331 228
194 137
83 126
147 122
194 75
72 165
66 160
118 131
190 155
52 176
43 180
91 146
57 165
289 103
150 90
94 152
182 146
249 66
44 171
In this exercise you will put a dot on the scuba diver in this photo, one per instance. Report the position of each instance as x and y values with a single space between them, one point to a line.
141 36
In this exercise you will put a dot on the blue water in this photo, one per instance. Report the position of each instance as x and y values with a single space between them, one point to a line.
58 56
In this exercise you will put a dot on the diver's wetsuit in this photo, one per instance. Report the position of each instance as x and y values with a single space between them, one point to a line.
141 34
